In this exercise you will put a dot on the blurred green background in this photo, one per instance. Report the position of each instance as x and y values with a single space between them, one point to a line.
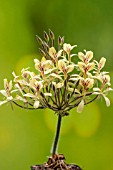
26 136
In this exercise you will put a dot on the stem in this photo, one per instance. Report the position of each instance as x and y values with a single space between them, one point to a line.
23 107
57 135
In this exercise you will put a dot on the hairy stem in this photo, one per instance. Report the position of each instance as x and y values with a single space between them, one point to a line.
57 135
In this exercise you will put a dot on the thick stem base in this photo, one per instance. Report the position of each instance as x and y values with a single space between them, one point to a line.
56 162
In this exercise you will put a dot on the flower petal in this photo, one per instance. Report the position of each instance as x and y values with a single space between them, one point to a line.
29 95
59 53
96 89
47 64
47 94
20 98
56 76
48 71
6 85
101 63
89 56
80 106
36 104
19 88
81 66
81 56
3 102
90 66
70 68
90 83
61 65
4 93
52 52
9 98
67 47
59 85
107 101
10 85
97 93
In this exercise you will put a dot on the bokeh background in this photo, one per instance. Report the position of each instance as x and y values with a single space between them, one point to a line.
26 136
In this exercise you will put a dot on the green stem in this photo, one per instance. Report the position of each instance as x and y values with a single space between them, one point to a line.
57 135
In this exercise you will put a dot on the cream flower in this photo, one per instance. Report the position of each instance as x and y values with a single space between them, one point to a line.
85 57
98 91
85 68
54 55
7 92
44 67
36 85
86 83
65 68
26 73
105 79
60 84
67 48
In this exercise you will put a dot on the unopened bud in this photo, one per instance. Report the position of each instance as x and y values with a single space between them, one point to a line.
62 39
59 40
42 52
46 36
51 34
46 45
39 40
43 46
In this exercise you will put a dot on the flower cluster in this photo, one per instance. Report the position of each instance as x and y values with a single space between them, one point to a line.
58 83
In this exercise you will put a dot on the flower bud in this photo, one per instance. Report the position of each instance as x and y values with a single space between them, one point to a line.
46 36
51 34
39 40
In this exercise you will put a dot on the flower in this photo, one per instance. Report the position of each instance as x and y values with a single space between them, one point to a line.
64 68
58 83
7 93
44 67
101 63
85 68
36 85
54 55
8 99
86 83
67 48
103 93
104 79
85 57
26 73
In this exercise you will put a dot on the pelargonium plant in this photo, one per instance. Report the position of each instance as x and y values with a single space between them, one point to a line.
59 84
